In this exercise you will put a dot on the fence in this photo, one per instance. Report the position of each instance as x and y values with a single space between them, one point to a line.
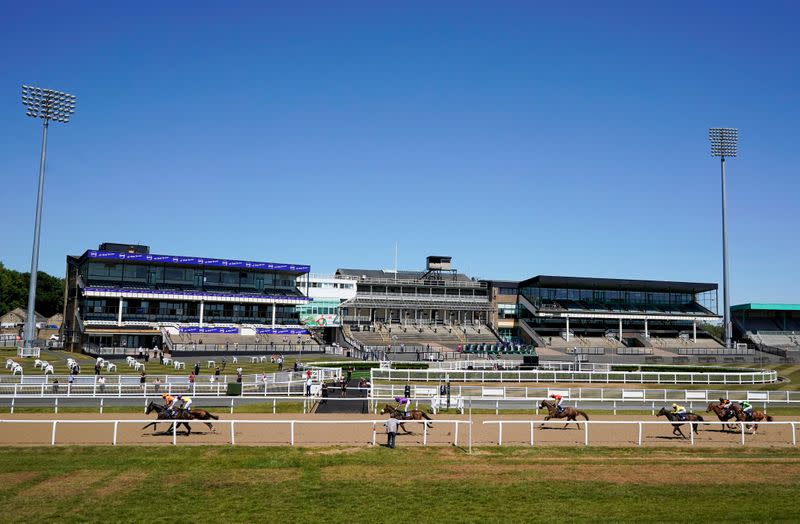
291 423
638 423
625 377
221 349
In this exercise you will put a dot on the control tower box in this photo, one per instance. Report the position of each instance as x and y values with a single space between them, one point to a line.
437 263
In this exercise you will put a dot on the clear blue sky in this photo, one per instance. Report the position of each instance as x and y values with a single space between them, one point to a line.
520 139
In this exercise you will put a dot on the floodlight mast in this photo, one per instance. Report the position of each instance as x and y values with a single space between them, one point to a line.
48 105
723 144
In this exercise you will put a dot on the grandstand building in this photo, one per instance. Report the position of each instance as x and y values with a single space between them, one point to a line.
505 306
569 312
438 306
124 296
772 328
326 292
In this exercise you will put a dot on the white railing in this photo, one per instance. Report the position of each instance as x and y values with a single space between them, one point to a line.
625 377
639 424
291 423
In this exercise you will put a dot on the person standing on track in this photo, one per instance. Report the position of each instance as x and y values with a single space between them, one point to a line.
391 431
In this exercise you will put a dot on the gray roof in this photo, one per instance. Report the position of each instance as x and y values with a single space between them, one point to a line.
401 275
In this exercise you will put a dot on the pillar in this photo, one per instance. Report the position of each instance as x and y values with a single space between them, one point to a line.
620 329
567 328
694 331
201 313
274 307
119 312
646 332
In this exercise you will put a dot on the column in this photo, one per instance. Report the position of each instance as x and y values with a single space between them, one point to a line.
119 313
386 315
646 333
273 314
201 313
567 328
694 331
620 329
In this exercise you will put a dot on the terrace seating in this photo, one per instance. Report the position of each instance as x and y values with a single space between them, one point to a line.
414 335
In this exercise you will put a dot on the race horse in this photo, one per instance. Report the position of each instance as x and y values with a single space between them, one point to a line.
414 414
162 413
723 414
676 428
568 413
757 416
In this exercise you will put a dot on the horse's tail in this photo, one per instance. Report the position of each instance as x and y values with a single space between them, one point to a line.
768 417
699 418
215 417
584 415
425 415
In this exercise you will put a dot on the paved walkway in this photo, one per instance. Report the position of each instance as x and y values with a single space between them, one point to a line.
335 404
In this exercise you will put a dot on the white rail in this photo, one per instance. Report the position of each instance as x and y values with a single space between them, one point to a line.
597 377
292 423
639 424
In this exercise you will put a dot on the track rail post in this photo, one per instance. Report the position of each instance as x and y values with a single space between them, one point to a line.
741 424
291 441
424 433
53 434
233 433
640 433
374 434
455 436
174 433
586 434
116 427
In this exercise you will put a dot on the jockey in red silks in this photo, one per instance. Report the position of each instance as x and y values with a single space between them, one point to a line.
558 399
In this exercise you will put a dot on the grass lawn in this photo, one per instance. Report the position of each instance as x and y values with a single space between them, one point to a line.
407 484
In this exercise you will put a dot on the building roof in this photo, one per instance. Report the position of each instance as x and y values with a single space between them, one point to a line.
401 275
195 261
655 286
503 283
766 307
23 314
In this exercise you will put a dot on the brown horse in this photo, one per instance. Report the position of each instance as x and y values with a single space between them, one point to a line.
568 413
676 428
202 414
757 416
414 414
724 415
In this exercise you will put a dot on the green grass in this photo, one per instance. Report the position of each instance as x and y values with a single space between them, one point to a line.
144 484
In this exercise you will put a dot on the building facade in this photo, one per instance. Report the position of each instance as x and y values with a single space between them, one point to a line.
124 297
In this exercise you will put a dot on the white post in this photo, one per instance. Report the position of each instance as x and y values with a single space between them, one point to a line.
231 406
640 433
646 332
12 405
455 437
691 434
620 329
53 434
567 328
500 433
374 435
531 433
291 442
274 405
101 405
202 308
174 433
233 438
694 331
424 433
742 426
119 313
273 315
794 435
116 425
585 434
470 427
55 405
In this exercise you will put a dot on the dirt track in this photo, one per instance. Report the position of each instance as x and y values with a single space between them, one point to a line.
25 434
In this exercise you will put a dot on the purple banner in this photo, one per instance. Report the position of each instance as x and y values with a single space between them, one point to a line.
204 294
281 331
196 261
220 330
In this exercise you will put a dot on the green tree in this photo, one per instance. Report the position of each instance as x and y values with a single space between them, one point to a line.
14 291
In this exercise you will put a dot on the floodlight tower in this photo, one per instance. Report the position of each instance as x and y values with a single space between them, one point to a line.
723 144
48 105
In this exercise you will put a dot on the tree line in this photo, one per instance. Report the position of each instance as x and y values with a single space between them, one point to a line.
14 292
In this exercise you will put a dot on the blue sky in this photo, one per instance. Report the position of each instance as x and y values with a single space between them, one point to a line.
519 138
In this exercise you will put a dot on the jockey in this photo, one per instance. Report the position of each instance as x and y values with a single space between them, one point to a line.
726 404
173 405
680 411
168 399
185 402
402 403
558 399
747 409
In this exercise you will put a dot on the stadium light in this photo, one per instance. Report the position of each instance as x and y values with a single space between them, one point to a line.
723 144
48 105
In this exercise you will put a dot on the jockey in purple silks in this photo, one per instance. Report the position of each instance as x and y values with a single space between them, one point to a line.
402 403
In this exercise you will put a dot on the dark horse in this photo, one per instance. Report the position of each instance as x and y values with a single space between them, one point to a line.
194 414
414 414
568 413
676 428
723 414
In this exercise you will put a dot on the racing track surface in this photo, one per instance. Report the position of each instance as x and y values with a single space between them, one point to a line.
32 434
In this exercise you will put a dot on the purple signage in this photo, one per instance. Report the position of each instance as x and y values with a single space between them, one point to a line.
281 331
195 261
220 330
194 293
